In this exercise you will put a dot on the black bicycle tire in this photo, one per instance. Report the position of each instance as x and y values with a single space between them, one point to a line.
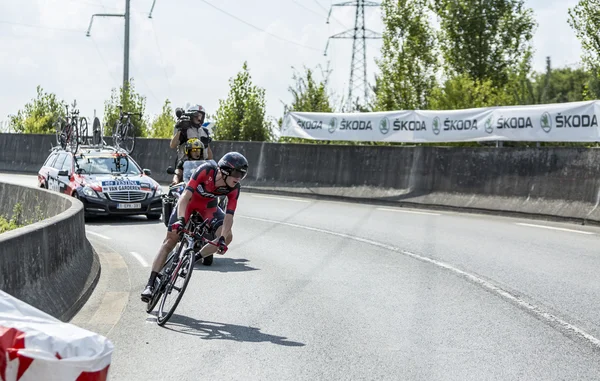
85 139
96 131
74 138
190 254
129 128
158 293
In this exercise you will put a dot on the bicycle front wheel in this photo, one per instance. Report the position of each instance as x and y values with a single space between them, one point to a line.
128 138
73 138
184 271
83 128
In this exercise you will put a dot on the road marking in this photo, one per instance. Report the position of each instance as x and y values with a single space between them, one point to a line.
97 234
553 228
281 198
111 308
408 211
531 308
140 259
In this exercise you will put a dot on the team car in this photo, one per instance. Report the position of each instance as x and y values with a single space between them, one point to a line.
105 180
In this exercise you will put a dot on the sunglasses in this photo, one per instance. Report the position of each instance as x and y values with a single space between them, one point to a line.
238 174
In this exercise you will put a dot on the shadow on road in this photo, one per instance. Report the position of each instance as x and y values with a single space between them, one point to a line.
226 265
209 330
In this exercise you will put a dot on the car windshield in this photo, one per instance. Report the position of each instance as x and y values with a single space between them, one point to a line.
105 165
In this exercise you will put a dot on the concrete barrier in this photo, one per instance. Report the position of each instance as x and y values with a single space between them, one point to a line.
48 264
552 182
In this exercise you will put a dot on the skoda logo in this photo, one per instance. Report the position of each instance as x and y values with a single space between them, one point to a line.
546 122
384 125
436 125
332 125
489 125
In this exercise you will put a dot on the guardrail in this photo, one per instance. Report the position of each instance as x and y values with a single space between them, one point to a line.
557 182
48 264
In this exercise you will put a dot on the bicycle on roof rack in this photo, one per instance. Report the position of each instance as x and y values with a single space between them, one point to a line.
180 264
124 132
73 130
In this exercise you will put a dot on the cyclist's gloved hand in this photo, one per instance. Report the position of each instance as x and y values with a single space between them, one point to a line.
222 245
179 224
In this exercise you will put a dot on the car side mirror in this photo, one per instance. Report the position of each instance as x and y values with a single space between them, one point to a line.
147 172
170 171
63 173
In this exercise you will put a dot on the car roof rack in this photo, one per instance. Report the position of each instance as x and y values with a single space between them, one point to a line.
90 147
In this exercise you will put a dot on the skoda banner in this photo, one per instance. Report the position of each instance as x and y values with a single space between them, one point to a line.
559 122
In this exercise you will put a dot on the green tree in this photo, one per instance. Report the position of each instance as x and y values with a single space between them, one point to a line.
484 39
39 115
308 94
584 19
242 115
462 91
162 126
408 64
131 102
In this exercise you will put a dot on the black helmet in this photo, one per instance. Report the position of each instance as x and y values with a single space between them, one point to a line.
234 164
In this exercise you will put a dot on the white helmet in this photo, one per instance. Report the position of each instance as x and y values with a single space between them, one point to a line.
196 108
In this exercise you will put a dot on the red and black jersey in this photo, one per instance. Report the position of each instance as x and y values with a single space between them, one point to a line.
205 192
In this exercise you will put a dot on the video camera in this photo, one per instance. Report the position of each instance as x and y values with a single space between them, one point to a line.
182 116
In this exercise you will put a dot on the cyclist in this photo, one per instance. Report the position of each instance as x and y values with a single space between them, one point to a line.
209 181
194 150
187 128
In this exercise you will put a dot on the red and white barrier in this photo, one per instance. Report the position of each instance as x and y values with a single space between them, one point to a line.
35 346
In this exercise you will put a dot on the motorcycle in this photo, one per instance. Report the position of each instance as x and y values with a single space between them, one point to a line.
169 200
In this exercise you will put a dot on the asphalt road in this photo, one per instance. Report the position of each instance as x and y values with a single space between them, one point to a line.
326 290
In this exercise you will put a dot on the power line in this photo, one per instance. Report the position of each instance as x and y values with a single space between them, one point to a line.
257 28
329 13
103 60
161 57
305 7
41 26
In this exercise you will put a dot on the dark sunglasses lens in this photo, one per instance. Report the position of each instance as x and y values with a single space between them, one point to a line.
238 174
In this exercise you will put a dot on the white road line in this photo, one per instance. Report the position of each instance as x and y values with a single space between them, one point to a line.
140 259
533 309
281 198
97 234
408 211
553 228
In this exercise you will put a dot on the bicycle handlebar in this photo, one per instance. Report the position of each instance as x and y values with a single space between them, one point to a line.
199 237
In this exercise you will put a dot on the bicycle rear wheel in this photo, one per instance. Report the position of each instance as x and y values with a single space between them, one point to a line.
183 270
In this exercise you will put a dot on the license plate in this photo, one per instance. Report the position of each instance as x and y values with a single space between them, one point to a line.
129 206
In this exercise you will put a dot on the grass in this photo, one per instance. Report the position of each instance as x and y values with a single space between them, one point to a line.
14 221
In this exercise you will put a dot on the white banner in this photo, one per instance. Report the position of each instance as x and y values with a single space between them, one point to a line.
35 346
559 122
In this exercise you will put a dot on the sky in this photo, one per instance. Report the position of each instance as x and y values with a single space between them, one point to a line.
190 49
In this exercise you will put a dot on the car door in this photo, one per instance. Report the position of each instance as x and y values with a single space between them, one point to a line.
64 175
43 174
53 182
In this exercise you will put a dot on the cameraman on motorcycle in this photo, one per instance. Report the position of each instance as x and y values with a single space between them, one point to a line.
188 126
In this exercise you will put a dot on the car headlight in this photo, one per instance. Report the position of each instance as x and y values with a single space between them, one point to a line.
90 192
158 191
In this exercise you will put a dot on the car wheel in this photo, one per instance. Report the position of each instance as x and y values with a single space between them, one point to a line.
153 216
